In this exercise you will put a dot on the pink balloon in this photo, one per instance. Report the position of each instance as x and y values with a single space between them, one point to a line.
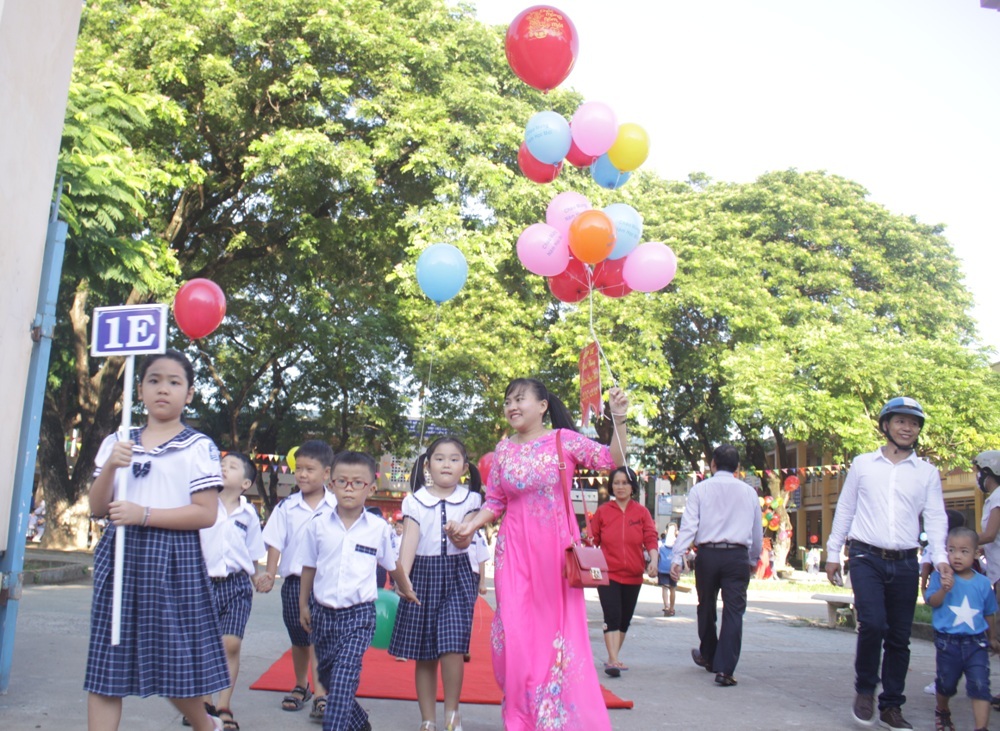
650 266
595 128
542 250
563 208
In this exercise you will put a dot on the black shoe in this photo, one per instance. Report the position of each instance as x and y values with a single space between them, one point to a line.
700 661
724 680
612 671
892 718
864 710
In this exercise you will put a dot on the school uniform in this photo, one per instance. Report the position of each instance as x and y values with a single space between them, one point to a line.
442 579
232 548
284 531
343 605
170 640
479 552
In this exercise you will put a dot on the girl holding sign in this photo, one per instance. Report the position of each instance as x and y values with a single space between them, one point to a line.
170 640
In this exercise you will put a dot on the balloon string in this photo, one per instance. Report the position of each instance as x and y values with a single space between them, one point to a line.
593 335
607 364
427 385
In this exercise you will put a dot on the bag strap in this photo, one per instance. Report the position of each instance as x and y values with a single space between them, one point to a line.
566 488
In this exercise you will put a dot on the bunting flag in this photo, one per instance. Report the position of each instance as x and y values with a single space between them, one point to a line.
810 471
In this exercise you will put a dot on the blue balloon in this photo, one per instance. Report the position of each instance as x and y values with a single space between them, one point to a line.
607 175
441 271
628 228
548 137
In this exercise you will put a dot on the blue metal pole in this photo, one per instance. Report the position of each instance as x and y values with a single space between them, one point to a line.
12 560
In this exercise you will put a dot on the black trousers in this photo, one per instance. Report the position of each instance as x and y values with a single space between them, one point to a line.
726 570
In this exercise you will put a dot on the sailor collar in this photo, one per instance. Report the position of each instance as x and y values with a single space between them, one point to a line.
424 497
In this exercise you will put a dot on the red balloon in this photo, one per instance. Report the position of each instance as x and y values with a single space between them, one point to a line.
199 307
541 46
791 483
608 278
534 170
484 465
577 158
573 284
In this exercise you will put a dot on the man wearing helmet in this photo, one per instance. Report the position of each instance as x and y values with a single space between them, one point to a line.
879 510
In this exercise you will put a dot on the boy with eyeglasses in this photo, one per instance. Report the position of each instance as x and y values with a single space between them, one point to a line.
339 553
283 536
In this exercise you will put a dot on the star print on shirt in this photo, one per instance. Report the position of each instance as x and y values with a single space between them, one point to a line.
964 613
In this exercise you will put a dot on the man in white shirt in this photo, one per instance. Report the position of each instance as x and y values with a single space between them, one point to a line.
879 510
722 519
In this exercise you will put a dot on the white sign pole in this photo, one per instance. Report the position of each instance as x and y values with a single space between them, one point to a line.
121 493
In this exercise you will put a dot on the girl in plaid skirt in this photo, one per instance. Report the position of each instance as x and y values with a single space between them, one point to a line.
170 641
439 628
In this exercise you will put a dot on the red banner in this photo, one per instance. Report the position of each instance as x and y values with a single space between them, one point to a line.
590 383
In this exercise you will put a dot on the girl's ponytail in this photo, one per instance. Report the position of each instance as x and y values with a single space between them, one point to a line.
475 479
417 473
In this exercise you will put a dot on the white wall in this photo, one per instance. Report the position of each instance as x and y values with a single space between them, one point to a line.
37 38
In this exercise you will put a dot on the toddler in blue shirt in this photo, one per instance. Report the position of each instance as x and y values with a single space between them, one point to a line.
964 606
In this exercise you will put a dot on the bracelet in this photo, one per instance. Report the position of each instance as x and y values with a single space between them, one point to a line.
145 518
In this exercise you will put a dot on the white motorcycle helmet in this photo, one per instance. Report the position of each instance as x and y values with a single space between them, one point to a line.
987 464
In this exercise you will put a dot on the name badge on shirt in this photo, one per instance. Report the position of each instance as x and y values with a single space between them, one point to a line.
366 549
241 526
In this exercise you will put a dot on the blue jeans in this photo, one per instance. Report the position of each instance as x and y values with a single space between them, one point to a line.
963 653
885 595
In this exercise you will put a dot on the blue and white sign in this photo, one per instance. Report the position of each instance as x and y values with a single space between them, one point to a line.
129 330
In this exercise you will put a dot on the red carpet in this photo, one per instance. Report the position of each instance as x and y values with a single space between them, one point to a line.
382 676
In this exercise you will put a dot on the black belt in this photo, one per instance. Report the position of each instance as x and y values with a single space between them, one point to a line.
220 579
722 545
887 554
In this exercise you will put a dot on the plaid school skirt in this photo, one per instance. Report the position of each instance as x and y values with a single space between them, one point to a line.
170 640
442 622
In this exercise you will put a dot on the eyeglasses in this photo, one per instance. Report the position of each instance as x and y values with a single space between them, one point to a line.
354 484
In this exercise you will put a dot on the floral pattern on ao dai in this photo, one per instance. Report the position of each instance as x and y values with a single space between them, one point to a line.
541 645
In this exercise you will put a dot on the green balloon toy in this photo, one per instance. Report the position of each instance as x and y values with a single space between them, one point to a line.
385 617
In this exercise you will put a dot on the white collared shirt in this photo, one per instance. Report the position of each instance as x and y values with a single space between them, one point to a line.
167 475
881 504
345 558
479 551
234 543
283 529
721 509
431 513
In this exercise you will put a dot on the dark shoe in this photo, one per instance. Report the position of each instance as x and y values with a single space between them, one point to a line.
612 671
724 680
296 698
318 709
892 718
864 709
700 661
942 721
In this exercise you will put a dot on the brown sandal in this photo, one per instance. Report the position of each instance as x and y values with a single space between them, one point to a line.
293 702
228 724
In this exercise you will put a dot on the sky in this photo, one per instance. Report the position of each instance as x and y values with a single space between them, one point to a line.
901 96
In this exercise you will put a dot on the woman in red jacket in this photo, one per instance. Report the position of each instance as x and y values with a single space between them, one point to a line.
625 532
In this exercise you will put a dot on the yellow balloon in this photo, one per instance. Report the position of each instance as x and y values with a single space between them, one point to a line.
290 458
631 148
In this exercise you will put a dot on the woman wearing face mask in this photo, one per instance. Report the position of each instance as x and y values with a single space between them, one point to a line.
625 531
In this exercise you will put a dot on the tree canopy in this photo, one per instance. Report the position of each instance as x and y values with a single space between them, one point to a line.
301 153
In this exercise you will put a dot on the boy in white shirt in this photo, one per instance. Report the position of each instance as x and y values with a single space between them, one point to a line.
283 535
232 547
339 552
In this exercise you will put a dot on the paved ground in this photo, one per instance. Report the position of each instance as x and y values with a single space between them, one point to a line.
793 673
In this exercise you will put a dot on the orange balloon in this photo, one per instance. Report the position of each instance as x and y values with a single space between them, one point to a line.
592 236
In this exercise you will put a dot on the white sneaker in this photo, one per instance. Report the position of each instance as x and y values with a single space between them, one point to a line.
931 689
